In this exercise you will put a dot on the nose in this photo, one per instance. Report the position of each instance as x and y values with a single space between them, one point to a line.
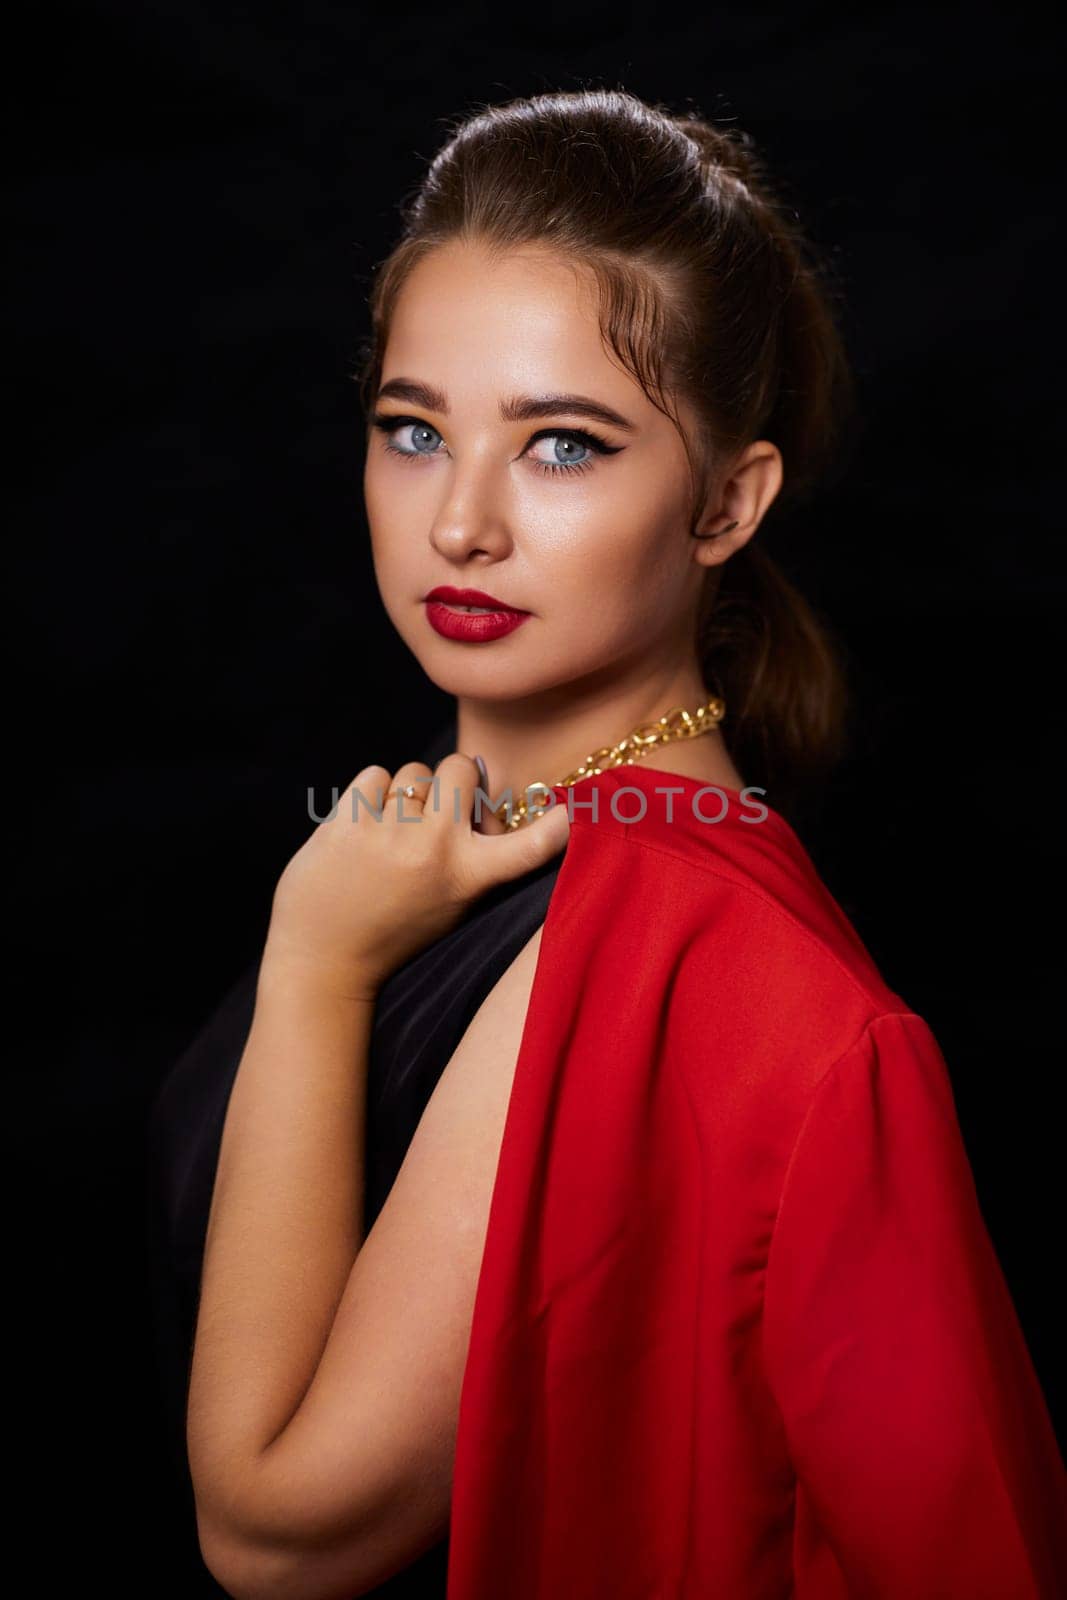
470 521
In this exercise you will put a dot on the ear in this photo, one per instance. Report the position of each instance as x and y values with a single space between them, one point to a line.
745 493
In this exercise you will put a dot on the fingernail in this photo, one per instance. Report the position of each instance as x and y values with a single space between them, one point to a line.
483 772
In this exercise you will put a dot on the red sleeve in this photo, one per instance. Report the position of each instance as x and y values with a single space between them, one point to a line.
925 1458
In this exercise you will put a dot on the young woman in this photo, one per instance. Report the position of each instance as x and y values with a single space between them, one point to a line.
589 1218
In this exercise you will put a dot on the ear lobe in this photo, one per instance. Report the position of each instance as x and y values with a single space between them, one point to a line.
709 550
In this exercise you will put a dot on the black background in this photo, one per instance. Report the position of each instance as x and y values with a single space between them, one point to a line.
203 191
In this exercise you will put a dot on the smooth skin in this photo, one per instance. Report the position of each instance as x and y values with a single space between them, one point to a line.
328 1364
600 549
325 1383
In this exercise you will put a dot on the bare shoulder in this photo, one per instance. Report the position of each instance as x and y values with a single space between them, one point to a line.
384 1408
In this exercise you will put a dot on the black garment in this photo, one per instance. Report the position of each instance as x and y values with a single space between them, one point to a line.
421 1015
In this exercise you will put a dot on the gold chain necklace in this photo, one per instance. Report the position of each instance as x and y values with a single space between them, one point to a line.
675 724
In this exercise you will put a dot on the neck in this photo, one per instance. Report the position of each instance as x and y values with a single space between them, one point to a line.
543 738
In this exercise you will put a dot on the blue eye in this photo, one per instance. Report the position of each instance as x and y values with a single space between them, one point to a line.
420 445
425 438
566 442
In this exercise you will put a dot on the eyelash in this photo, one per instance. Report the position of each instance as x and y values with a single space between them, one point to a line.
389 425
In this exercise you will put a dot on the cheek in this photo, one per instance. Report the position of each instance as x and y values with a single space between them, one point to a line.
607 599
619 560
381 506
389 489
391 561
387 518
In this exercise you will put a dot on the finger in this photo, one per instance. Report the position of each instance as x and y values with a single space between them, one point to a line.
371 784
486 819
370 775
529 846
461 778
414 775
458 777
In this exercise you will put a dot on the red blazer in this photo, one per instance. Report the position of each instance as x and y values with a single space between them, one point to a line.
740 1331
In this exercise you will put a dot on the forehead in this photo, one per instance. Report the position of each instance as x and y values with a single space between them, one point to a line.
477 325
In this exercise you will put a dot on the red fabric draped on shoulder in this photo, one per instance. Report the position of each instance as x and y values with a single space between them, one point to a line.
740 1330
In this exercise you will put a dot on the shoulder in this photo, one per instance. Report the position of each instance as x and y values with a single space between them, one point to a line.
713 889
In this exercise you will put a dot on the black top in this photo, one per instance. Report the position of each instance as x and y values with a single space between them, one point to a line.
422 1013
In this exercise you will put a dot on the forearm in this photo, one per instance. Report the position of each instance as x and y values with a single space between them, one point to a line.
285 1227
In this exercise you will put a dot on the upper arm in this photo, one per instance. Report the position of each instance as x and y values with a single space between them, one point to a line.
359 1483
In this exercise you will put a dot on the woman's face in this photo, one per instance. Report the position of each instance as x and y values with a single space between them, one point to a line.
580 521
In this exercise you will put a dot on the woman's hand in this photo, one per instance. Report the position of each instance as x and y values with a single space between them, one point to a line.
387 874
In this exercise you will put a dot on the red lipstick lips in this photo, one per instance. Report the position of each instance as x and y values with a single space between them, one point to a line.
491 621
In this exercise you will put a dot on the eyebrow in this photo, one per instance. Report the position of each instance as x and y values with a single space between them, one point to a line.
515 408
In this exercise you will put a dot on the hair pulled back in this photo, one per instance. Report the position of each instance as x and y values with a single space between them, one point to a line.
709 291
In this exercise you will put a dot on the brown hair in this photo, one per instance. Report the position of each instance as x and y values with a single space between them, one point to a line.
708 290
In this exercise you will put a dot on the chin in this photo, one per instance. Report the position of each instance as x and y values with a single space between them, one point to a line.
481 672
480 681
